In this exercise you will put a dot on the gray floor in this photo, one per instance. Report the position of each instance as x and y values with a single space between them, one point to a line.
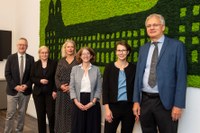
29 127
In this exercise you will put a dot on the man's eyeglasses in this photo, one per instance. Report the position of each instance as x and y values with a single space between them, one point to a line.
153 25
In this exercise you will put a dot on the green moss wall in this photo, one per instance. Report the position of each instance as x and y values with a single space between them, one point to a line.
79 11
91 12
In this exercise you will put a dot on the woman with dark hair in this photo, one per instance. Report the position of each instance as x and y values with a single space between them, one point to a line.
85 91
62 79
118 84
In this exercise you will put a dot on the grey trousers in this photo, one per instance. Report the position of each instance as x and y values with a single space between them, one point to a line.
17 103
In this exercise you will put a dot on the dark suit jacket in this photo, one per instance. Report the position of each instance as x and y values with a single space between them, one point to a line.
37 75
12 74
171 72
110 83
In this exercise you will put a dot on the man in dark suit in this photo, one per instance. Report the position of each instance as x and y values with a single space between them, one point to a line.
160 83
19 86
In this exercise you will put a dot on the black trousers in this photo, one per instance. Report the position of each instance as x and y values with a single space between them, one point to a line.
45 104
86 121
154 117
122 112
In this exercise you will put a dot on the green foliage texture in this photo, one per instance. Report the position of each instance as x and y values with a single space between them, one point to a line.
83 11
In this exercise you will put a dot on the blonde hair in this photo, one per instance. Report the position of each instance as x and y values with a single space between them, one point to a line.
43 47
63 51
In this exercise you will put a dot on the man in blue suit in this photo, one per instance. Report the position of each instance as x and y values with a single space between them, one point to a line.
19 86
159 105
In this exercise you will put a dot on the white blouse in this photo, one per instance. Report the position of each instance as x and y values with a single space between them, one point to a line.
85 84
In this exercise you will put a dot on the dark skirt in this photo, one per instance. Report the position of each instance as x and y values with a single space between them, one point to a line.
86 121
63 113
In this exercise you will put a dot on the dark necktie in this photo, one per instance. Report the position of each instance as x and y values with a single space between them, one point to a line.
21 69
154 59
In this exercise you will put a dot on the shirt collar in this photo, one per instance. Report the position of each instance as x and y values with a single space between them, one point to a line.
160 40
19 55
81 65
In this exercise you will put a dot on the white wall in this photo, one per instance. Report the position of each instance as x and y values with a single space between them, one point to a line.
8 22
189 123
22 17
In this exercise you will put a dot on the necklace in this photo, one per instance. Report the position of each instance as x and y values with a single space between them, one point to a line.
121 65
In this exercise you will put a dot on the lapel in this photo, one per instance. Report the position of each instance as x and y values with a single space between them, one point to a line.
39 65
163 49
16 61
81 71
26 63
48 67
91 77
145 52
79 75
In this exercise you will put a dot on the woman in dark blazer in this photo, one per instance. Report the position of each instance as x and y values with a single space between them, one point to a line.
118 82
44 92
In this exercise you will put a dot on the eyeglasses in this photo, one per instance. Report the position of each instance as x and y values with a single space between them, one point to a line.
121 50
85 54
44 52
20 44
153 25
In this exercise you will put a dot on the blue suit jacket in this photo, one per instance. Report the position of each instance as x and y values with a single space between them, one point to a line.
171 73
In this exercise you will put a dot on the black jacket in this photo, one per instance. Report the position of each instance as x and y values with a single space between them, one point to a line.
37 75
12 74
110 82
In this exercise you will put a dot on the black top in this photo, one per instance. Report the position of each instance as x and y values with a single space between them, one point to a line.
110 82
63 72
38 73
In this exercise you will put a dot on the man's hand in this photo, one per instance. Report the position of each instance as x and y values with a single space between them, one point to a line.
24 87
21 88
136 111
176 113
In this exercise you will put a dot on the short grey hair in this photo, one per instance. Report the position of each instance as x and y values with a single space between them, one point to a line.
162 20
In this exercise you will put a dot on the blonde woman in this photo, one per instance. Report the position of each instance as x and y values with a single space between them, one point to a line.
44 91
62 79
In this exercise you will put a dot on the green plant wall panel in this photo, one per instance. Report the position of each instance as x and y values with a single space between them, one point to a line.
100 23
